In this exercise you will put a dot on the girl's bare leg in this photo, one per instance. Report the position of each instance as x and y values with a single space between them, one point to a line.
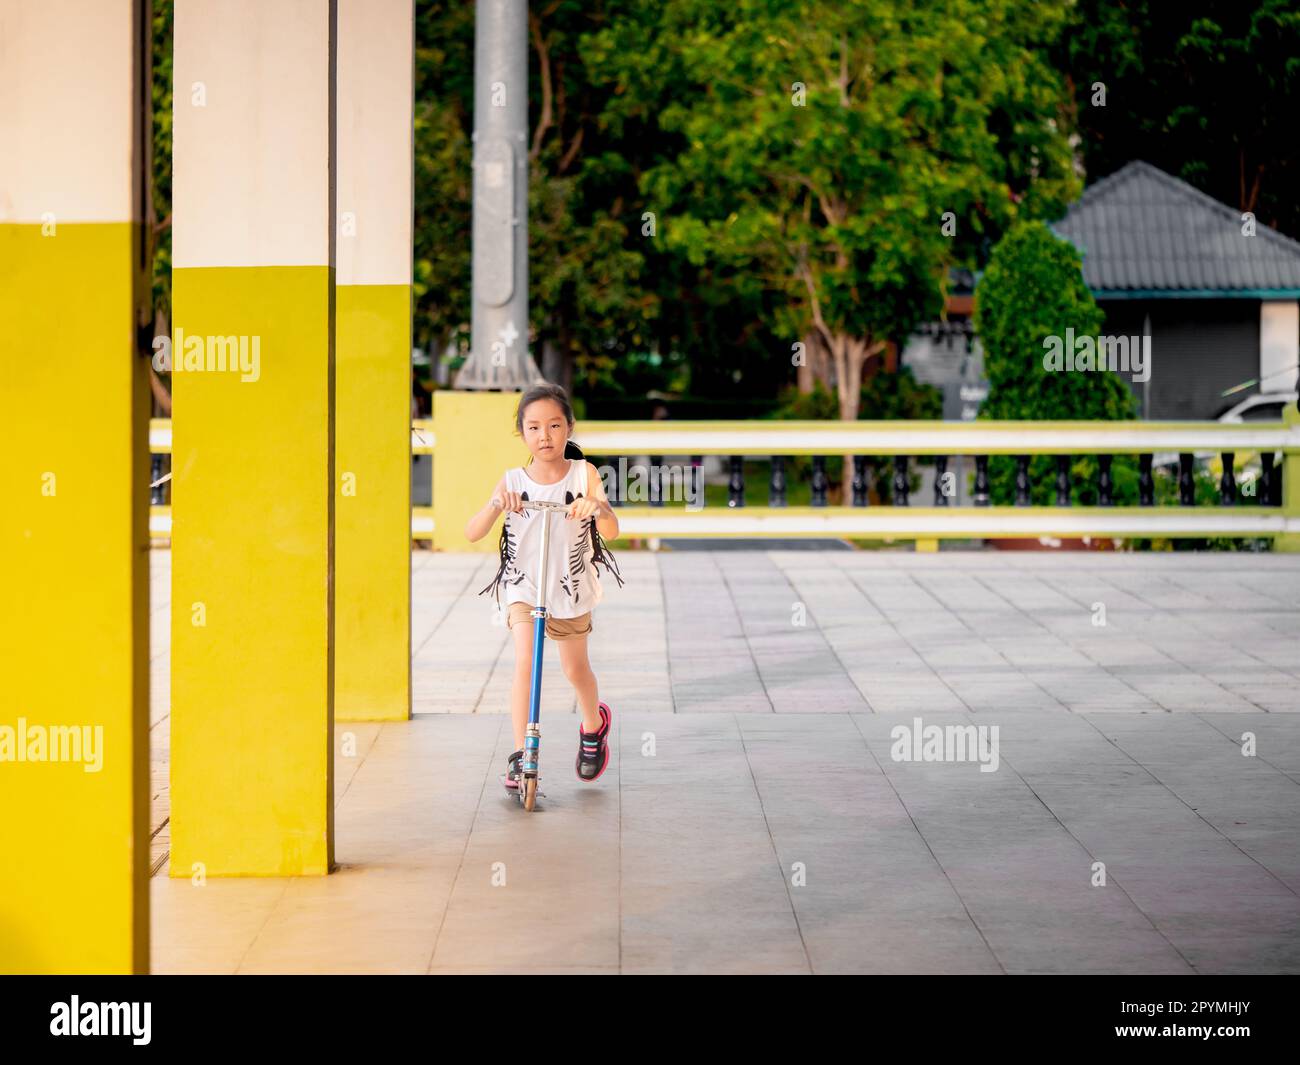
523 679
573 659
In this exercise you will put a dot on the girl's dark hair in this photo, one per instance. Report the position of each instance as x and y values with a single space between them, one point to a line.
601 555
548 391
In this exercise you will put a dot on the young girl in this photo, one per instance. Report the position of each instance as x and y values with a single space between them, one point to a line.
557 473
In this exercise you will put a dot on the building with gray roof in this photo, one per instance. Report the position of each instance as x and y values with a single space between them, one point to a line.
1218 294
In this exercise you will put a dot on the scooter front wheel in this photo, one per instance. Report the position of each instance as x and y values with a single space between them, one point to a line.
529 788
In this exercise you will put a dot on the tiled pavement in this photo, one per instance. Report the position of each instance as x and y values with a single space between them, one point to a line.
753 819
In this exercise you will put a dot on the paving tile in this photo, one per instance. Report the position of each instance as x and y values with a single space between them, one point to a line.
754 818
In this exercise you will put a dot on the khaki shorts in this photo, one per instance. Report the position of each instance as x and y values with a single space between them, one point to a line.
556 628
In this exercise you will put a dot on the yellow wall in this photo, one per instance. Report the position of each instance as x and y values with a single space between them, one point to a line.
373 524
1290 474
74 634
252 493
475 443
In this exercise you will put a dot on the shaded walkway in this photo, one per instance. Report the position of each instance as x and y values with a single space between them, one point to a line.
754 821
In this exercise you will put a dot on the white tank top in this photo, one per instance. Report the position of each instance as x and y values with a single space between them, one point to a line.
572 587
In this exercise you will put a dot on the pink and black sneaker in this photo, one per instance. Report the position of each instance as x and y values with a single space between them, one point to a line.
514 771
593 748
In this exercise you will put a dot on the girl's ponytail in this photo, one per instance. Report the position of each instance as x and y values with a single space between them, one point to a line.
601 555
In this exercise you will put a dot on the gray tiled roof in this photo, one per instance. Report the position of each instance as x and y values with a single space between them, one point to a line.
1142 230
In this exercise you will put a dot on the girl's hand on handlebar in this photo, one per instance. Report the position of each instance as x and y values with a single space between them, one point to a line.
509 501
582 508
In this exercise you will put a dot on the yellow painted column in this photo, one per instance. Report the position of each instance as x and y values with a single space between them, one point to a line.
372 569
74 474
253 438
475 442
1290 474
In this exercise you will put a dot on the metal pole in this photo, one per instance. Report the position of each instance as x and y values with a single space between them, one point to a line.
545 515
533 729
499 356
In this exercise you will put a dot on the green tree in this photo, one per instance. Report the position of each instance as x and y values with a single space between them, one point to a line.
1206 90
714 320
823 144
586 299
1031 292
443 119
160 192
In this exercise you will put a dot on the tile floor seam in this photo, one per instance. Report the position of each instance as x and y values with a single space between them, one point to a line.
338 799
1246 651
1109 879
663 614
469 835
907 640
817 627
471 578
767 827
506 642
933 857
1007 662
1098 665
744 634
262 928
1228 696
1147 770
1235 742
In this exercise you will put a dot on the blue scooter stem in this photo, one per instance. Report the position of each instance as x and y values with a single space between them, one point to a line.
535 698
532 737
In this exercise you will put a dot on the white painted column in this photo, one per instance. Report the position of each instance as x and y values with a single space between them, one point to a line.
1279 345
372 597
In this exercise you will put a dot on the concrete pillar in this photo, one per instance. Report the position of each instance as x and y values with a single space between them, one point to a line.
499 356
1279 345
253 438
74 474
372 587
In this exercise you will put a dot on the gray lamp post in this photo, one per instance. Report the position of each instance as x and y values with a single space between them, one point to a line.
499 356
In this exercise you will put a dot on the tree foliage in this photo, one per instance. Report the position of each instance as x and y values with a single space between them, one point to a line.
585 293
1206 90
160 201
822 144
1032 290
711 184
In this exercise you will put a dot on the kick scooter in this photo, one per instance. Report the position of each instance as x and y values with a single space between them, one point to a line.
533 736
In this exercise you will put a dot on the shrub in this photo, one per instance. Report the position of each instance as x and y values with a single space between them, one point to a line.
1032 289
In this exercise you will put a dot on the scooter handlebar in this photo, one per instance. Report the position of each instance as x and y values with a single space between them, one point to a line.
539 504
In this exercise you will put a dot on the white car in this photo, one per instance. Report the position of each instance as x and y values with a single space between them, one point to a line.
1262 407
